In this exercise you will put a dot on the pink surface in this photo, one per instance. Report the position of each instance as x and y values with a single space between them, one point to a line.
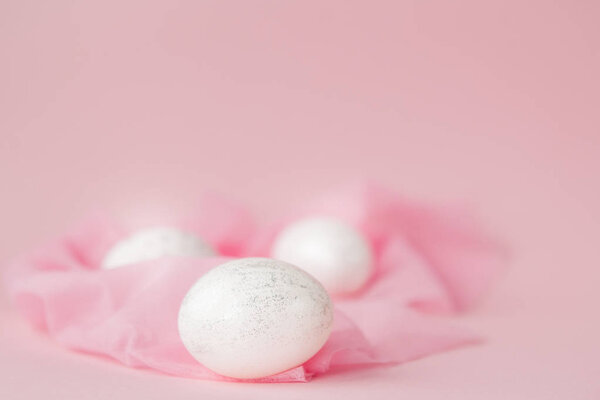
426 261
122 105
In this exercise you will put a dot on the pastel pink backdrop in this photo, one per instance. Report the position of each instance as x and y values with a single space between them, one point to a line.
145 104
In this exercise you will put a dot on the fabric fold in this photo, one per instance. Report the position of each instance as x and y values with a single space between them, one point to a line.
429 262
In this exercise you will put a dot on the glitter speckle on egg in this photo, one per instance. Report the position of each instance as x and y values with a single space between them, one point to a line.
334 252
255 317
156 242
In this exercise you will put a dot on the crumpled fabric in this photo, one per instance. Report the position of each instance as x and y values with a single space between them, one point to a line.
430 263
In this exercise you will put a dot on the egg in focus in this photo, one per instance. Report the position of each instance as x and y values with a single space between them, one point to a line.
255 317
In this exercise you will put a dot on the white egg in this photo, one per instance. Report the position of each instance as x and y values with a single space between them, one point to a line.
332 251
152 243
255 317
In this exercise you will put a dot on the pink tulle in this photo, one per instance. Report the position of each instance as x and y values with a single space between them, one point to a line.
428 261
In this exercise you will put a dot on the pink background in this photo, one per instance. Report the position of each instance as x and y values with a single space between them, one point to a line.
144 104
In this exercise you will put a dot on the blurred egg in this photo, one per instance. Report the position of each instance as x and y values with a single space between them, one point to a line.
332 251
255 317
152 243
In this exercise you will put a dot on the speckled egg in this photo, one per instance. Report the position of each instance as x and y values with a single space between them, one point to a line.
152 243
255 317
329 249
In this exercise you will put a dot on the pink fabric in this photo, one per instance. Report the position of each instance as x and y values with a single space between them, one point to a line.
427 261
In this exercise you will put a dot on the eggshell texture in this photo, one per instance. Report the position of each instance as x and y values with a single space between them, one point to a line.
255 317
332 251
152 243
